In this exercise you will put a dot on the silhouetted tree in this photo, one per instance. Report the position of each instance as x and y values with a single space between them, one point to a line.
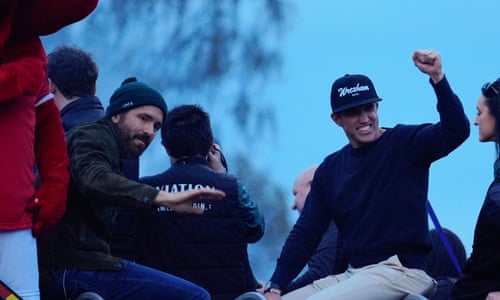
219 54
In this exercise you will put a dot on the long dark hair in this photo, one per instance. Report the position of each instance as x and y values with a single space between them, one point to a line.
491 90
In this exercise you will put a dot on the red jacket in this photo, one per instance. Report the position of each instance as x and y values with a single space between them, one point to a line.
32 135
23 80
17 125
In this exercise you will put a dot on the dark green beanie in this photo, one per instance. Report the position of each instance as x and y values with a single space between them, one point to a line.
132 94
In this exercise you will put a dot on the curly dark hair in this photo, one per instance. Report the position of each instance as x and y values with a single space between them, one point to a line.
73 71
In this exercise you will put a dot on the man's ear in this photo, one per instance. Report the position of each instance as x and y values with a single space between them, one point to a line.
337 119
173 159
166 148
52 87
116 118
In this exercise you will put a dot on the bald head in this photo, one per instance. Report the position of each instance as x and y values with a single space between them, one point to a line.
302 186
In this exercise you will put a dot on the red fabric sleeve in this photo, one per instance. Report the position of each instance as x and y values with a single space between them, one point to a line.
49 202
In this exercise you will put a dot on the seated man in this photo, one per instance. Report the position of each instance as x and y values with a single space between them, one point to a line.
322 262
73 75
74 255
209 249
375 190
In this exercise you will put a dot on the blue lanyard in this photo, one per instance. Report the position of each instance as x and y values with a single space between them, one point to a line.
443 237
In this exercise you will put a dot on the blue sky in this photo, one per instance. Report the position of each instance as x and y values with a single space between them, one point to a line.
327 39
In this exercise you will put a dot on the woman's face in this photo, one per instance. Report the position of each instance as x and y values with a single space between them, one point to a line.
485 121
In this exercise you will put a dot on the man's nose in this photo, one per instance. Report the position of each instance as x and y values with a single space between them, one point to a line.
363 116
149 129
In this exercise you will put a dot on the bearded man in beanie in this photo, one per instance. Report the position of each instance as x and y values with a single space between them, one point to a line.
375 190
74 256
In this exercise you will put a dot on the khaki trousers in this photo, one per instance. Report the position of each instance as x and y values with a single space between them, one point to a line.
385 281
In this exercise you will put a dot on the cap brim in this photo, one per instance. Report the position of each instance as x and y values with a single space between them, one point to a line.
358 103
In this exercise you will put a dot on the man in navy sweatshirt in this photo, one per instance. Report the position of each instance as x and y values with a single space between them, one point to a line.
375 190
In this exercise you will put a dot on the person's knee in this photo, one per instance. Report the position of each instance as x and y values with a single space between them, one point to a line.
204 295
415 297
251 296
89 296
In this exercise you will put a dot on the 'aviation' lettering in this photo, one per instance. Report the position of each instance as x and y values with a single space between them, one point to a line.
182 187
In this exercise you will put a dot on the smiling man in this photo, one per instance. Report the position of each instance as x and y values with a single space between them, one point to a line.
375 190
75 256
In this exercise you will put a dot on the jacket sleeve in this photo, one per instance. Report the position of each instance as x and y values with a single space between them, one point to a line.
321 264
253 218
23 70
306 235
21 77
49 201
95 167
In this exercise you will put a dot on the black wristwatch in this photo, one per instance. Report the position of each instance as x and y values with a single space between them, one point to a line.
272 287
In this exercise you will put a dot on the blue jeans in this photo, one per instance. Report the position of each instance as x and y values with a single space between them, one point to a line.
134 282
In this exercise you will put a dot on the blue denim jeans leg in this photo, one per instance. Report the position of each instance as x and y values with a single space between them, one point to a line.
134 282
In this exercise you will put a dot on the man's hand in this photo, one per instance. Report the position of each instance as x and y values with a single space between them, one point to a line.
268 295
272 296
429 62
183 201
493 296
216 159
47 206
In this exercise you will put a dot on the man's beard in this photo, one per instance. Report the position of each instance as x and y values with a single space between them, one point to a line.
134 147
132 142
